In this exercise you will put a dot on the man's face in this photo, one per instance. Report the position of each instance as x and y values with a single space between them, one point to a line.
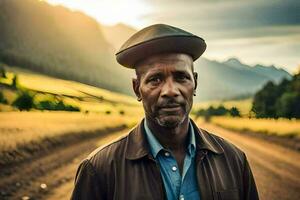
166 84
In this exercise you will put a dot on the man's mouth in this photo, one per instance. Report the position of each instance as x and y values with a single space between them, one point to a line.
170 107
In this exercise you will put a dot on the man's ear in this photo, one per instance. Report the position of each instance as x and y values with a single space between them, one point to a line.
196 81
136 86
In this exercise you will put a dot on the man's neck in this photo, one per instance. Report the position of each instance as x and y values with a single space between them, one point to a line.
174 139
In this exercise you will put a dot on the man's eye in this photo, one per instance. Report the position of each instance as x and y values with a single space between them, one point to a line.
182 77
155 80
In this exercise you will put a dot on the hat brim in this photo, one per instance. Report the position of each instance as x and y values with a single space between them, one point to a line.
191 45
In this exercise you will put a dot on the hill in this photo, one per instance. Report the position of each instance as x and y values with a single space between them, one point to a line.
232 79
58 42
85 97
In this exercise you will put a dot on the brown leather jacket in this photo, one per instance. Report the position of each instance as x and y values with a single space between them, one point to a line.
126 170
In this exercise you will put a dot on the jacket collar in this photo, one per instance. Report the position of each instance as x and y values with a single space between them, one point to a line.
205 141
137 145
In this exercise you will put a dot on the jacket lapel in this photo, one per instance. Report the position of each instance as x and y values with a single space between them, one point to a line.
206 144
137 146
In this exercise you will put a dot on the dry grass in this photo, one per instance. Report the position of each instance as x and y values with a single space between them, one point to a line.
21 128
280 127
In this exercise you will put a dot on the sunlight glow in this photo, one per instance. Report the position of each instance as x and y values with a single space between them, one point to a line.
110 12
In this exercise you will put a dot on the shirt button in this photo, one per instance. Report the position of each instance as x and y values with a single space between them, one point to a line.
181 197
174 169
167 154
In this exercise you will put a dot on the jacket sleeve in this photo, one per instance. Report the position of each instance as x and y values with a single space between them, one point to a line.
87 186
250 190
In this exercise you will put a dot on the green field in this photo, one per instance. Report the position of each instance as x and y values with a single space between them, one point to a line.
87 98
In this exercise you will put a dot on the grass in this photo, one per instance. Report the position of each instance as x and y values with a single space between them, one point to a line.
279 127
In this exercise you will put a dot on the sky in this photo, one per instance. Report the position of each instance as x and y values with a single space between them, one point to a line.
254 31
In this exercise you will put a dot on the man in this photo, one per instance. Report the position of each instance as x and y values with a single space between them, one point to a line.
166 156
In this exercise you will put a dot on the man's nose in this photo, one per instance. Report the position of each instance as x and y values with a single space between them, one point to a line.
169 89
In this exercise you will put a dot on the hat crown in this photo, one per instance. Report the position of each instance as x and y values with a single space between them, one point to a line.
153 32
158 39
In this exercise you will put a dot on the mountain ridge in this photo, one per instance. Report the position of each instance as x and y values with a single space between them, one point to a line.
68 44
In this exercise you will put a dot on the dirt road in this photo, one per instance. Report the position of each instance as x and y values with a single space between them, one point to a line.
50 176
276 169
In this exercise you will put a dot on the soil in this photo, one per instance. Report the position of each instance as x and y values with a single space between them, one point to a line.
51 176
38 177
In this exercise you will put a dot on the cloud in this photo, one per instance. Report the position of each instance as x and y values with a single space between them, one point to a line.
257 31
218 17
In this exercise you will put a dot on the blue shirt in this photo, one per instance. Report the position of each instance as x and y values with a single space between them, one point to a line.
176 186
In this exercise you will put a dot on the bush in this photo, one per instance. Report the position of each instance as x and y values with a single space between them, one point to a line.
24 101
122 112
55 105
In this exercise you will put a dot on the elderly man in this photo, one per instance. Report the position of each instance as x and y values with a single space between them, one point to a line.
166 156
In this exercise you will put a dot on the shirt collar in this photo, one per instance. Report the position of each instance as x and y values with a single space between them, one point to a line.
156 147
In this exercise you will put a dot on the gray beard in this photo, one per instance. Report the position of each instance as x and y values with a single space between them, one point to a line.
169 124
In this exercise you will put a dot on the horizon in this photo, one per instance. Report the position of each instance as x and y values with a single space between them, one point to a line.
264 38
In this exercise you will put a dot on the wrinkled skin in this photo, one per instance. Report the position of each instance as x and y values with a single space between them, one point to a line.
166 84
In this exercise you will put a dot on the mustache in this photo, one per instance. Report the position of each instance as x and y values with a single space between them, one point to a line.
170 103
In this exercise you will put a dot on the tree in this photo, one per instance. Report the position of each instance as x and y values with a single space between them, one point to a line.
15 81
234 112
264 101
280 100
288 105
220 111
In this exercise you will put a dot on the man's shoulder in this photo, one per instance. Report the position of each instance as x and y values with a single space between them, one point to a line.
110 149
108 153
227 148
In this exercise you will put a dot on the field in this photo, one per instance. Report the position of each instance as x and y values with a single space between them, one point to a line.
279 127
24 128
44 148
22 134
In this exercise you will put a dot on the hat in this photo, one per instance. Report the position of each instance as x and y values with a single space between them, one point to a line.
156 39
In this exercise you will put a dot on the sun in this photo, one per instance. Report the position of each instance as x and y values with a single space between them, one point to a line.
110 12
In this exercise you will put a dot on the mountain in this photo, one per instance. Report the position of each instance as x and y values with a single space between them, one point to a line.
58 42
273 73
232 79
62 43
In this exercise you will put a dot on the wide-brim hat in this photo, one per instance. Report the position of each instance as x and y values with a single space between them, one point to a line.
156 39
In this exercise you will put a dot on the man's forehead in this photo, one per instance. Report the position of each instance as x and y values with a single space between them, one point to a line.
166 59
